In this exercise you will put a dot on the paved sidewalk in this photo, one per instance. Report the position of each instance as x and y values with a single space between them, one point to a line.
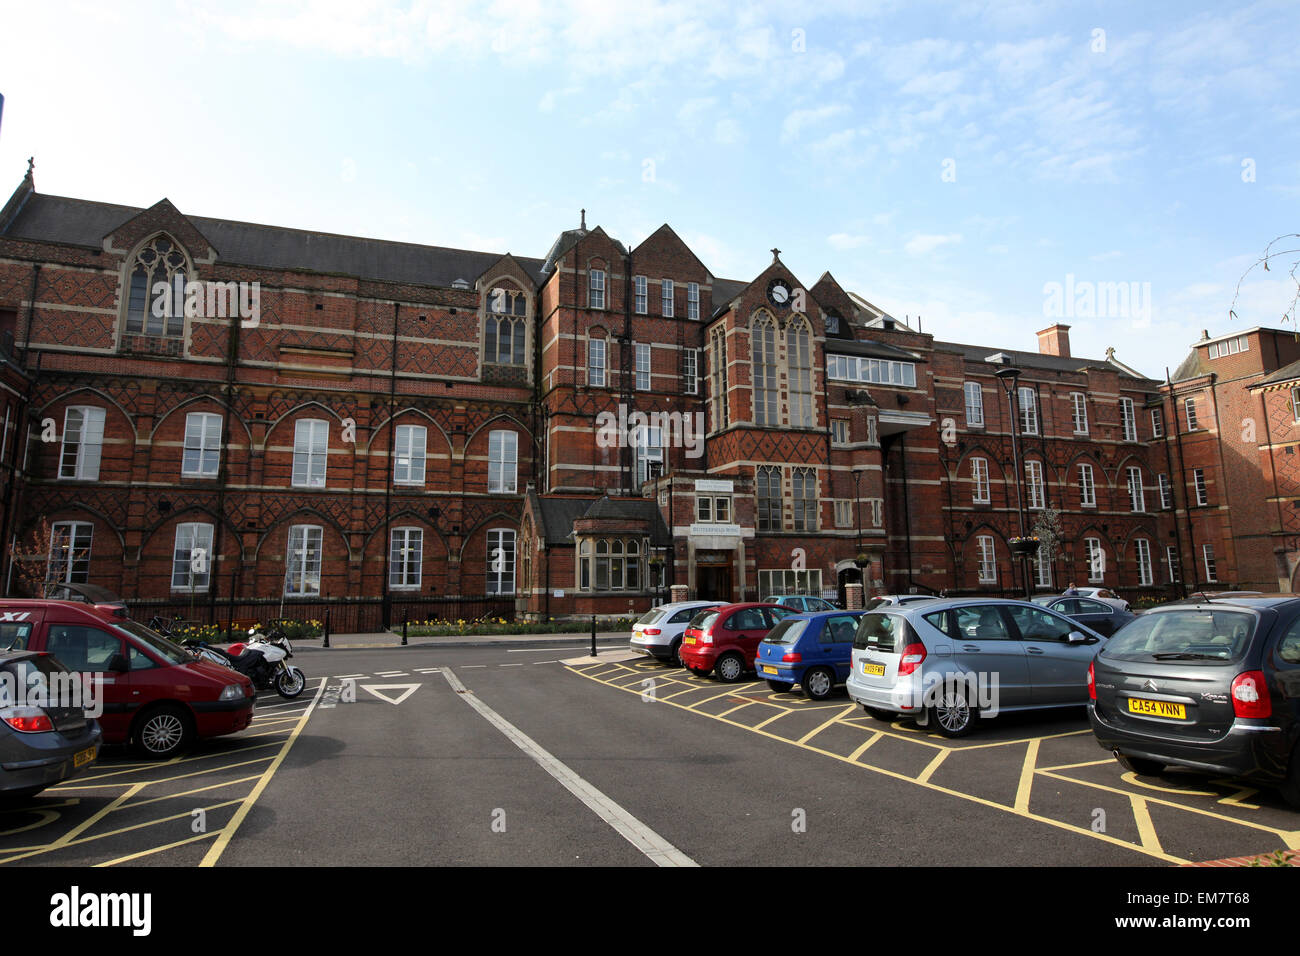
388 639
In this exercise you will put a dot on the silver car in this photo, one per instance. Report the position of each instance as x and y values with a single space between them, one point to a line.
947 662
658 632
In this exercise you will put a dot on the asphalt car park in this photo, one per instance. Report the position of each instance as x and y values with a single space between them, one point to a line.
1044 767
176 812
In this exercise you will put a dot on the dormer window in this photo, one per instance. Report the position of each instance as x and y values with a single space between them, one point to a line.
505 327
161 263
832 323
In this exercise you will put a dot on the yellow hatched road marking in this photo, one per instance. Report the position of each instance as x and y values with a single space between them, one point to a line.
1072 766
1026 777
784 713
1146 829
824 724
189 793
863 749
738 707
228 831
928 772
81 827
971 798
159 849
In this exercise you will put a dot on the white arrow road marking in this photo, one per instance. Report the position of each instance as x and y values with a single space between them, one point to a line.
659 850
406 689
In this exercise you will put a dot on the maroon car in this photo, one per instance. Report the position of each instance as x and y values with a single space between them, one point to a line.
725 639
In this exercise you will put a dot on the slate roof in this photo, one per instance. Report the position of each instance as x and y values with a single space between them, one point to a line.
1285 374
871 348
559 514
1054 363
85 223
1191 367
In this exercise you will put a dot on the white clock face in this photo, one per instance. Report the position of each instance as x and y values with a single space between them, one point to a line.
780 293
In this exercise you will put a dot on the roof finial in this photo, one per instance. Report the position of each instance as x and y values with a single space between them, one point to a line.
1110 353
583 227
31 166
776 254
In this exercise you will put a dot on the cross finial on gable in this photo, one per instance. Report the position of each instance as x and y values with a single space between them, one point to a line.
31 166
776 254
583 227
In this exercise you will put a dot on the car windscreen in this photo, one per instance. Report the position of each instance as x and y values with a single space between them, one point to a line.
1187 634
787 632
41 678
14 635
650 616
881 632
704 620
167 650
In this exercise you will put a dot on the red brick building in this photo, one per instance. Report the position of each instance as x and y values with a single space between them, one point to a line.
581 431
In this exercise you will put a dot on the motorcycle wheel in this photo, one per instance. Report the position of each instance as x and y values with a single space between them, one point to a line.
290 682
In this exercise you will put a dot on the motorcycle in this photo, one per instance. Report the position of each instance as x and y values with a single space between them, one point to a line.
262 659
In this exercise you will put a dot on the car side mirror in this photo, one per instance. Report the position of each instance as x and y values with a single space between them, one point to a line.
117 664
1078 637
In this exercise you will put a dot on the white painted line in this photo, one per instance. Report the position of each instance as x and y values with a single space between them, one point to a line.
543 650
468 666
428 670
659 850
350 675
406 691
392 673
545 662
510 665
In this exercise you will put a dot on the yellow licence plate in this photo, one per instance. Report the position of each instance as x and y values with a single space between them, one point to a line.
875 670
1156 708
768 670
688 640
83 757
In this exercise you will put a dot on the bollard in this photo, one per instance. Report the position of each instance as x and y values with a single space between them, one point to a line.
593 635
325 641
405 616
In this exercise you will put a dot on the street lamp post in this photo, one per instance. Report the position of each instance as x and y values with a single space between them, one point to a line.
1009 375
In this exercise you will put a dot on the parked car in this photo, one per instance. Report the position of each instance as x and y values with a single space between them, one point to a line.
1102 617
801 603
102 598
44 739
1213 686
950 661
726 638
1105 595
658 633
811 650
895 600
156 695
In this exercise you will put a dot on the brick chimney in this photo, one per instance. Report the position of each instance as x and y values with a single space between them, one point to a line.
1055 340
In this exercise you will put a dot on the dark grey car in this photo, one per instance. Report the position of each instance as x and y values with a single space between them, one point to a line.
45 736
1212 686
1101 617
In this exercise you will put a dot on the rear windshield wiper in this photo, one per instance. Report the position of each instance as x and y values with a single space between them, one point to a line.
1187 656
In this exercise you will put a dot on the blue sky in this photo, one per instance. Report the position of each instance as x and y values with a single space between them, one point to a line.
949 159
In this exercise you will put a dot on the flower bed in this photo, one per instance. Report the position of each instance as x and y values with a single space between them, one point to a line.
499 625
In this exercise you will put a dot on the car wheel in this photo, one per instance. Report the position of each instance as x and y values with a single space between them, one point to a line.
1140 765
780 686
730 668
888 716
952 715
675 654
817 683
162 732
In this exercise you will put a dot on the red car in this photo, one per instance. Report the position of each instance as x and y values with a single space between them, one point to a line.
726 638
154 694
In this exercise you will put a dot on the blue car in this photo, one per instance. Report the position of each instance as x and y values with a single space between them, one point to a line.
811 650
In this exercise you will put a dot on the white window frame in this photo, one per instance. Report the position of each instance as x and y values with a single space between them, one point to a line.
1128 419
406 563
1189 409
596 362
202 434
1173 562
503 462
843 512
1079 412
310 453
1042 571
642 294
1027 403
1142 548
1166 491
667 290
1295 403
1034 481
988 559
839 431
1096 565
64 557
647 447
1202 489
1087 486
691 371
497 577
1157 423
412 446
1136 494
788 581
198 535
306 544
980 493
642 357
596 289
692 300
1210 562
84 439
974 404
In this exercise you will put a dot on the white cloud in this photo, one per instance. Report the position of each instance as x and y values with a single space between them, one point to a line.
921 244
727 132
799 120
844 241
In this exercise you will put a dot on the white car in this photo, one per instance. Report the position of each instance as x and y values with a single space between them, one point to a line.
658 633
1104 595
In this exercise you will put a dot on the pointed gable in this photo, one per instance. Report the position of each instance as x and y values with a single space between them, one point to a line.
162 216
833 299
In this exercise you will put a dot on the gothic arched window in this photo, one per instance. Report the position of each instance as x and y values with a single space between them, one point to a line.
156 302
